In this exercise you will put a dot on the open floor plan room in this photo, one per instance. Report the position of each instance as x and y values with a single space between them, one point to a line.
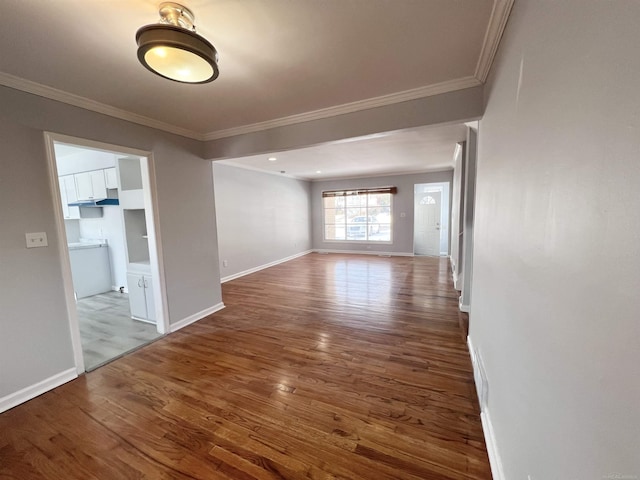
326 366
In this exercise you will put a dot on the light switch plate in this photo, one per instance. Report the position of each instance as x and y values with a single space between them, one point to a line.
37 239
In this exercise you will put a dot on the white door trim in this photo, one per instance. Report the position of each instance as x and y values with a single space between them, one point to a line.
445 214
155 247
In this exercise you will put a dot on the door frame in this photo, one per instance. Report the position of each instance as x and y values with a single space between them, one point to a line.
445 215
155 247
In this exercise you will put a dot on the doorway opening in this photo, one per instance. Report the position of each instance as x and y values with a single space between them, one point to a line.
431 219
109 248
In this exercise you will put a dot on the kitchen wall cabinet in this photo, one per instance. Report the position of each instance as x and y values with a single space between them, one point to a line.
141 301
91 185
111 178
67 195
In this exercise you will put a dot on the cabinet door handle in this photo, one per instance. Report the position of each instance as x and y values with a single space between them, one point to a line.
140 283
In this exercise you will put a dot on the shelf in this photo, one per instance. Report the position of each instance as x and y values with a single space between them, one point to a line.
136 235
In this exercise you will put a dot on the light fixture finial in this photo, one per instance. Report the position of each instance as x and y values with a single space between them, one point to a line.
178 15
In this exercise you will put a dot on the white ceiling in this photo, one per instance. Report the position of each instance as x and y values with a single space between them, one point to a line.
279 60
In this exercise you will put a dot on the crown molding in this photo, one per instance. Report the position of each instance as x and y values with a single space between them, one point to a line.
387 174
421 92
230 163
497 23
51 93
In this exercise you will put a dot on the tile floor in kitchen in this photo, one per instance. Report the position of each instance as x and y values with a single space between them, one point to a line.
107 330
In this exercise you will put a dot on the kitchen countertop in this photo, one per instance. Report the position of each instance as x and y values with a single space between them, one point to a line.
87 244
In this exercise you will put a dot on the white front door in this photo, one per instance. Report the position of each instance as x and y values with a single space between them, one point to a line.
427 223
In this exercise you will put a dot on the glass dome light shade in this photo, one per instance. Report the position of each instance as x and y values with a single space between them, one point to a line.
177 54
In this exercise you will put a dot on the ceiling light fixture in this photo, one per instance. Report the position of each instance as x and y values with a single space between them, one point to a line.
272 159
173 49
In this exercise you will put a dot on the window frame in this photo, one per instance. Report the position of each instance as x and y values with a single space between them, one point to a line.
360 192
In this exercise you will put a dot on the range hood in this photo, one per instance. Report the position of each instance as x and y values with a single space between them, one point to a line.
95 203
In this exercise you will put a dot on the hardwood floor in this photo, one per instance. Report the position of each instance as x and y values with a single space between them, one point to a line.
107 330
324 367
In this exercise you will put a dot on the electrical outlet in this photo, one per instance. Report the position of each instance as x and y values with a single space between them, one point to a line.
36 239
225 263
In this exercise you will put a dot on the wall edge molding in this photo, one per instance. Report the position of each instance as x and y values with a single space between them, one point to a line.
51 93
492 448
393 98
497 23
174 327
363 252
487 427
463 308
249 271
32 391
388 174
456 282
229 163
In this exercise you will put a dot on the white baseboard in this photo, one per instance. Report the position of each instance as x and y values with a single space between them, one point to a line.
195 317
472 352
463 308
487 427
492 448
262 267
36 389
366 252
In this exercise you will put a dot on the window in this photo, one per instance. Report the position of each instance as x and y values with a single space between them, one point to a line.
358 215
428 200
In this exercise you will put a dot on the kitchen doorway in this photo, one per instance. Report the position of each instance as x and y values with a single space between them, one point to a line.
431 219
113 284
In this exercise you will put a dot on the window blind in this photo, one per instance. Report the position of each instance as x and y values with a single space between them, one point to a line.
361 191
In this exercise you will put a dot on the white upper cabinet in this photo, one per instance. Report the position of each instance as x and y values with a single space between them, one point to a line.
68 186
91 185
68 195
111 177
83 186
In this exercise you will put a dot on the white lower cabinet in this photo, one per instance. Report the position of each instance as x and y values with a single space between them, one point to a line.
90 269
141 297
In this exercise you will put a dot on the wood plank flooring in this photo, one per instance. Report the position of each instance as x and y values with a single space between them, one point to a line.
107 330
324 367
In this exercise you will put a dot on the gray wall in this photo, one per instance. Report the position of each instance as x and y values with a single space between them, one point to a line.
402 202
262 218
555 304
34 333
